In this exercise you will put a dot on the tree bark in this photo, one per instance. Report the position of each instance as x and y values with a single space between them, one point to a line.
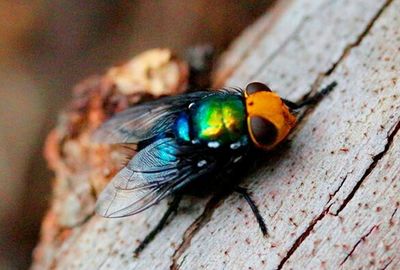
330 196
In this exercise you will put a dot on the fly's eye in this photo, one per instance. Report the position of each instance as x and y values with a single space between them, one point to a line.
263 131
256 87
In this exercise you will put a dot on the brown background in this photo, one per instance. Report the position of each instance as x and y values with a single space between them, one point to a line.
48 46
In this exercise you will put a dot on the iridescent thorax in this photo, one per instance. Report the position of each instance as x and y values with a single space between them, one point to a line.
215 119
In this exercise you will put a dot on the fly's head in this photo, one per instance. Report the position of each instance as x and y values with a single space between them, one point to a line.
269 120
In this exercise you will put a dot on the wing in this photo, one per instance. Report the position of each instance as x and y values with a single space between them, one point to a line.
145 121
153 173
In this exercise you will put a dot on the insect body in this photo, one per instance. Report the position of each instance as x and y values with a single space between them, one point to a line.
189 139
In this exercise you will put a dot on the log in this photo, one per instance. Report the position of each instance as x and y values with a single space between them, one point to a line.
330 196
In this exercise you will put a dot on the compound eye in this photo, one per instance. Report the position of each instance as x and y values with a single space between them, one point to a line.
263 131
256 87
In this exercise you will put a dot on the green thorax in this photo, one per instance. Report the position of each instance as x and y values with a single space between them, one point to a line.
219 119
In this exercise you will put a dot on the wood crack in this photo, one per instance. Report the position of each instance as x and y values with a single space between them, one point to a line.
322 75
362 239
102 264
358 41
387 265
332 195
192 230
371 167
302 237
392 216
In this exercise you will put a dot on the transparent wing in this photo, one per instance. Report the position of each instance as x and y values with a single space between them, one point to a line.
145 121
154 172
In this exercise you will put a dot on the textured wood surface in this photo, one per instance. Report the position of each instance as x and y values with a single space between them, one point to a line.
330 196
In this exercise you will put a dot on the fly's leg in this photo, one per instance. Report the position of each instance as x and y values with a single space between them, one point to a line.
243 191
310 100
171 209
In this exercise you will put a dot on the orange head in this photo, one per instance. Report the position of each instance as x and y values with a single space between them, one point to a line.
269 120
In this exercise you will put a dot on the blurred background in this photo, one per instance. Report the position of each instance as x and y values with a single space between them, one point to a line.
46 47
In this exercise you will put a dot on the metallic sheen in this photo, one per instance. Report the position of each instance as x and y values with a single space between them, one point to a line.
221 119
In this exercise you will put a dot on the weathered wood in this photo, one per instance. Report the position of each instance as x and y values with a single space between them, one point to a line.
329 197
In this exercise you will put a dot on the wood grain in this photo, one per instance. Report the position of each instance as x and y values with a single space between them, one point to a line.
329 196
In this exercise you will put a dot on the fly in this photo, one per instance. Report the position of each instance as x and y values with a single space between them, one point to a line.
186 141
